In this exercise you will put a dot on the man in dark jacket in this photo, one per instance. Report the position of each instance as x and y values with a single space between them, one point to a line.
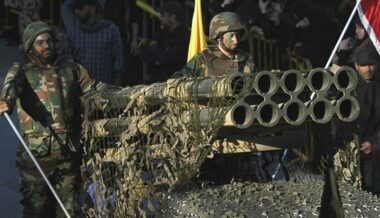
368 90
94 42
168 53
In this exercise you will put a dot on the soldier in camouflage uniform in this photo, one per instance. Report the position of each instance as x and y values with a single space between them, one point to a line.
223 58
46 91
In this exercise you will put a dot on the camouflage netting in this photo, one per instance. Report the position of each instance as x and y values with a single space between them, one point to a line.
143 141
347 164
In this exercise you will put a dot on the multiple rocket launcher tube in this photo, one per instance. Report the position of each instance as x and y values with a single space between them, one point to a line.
288 94
280 96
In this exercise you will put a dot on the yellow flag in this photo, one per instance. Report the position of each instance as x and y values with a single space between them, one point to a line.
198 38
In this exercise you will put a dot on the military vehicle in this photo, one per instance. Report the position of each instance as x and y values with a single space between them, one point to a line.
146 141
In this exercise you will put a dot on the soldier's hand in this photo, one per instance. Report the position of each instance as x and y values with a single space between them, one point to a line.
4 107
366 147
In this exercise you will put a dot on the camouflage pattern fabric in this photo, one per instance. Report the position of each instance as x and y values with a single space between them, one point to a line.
48 106
47 100
212 62
45 96
142 142
225 22
61 169
347 163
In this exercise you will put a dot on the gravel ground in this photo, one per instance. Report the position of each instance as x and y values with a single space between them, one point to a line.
279 199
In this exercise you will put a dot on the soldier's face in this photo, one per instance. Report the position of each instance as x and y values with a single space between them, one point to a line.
43 47
231 40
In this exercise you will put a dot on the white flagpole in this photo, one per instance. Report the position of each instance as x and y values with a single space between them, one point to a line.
37 165
343 33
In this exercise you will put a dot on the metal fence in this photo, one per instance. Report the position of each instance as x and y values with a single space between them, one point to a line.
268 55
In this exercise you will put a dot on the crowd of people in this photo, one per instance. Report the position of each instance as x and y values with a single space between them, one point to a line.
116 27
98 46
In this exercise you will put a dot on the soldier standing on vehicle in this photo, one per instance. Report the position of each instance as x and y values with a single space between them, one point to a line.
224 57
46 90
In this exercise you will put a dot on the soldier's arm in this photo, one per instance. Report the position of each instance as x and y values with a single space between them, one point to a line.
86 83
13 86
194 68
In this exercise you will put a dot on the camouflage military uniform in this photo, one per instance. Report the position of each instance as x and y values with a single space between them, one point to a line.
47 101
211 61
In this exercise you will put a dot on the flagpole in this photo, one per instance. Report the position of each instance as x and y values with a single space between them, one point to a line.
343 33
37 165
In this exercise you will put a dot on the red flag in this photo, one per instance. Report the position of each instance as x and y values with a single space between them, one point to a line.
369 13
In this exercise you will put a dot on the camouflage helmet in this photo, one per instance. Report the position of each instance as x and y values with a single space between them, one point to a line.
225 22
32 31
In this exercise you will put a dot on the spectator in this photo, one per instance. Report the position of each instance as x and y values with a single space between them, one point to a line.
168 53
94 42
349 46
367 65
274 23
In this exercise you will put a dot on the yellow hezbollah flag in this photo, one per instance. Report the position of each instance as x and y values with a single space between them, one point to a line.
198 38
